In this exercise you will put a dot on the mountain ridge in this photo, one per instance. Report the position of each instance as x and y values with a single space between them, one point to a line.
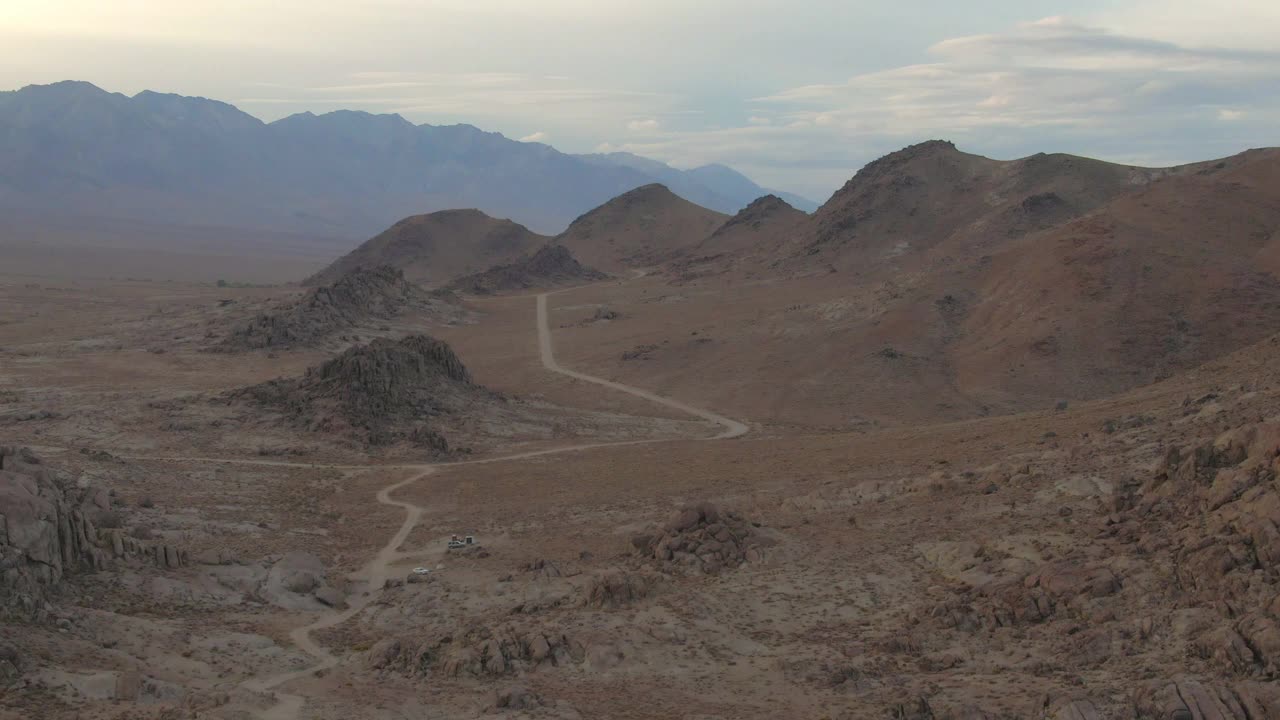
72 147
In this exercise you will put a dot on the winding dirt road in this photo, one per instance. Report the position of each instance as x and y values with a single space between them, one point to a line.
379 569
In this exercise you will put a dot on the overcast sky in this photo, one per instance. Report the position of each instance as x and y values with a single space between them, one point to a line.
796 93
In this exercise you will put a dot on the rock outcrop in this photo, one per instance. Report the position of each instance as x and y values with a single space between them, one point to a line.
703 538
1211 514
44 533
48 531
550 266
618 588
1187 699
1188 566
382 393
478 652
360 295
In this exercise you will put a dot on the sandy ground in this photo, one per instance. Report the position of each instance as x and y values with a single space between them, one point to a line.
866 535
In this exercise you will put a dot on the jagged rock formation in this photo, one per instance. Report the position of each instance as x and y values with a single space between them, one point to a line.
1187 698
1211 514
382 393
703 538
480 651
358 296
48 531
550 266
47 534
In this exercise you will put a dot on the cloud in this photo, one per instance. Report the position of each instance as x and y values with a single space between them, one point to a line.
1049 72
537 137
1050 85
803 105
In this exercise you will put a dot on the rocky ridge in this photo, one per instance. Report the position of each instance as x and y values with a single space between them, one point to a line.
364 294
381 393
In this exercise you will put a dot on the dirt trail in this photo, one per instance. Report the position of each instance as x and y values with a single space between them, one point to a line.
379 569
732 428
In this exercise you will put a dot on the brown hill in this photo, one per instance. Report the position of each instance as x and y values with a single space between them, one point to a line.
361 295
933 196
550 266
436 247
1166 277
383 393
1056 276
965 286
753 236
640 227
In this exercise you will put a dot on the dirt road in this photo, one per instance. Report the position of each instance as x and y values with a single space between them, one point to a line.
379 569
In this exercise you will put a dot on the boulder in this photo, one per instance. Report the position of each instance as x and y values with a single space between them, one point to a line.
297 582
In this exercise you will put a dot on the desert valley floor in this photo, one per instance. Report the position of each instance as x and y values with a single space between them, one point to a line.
1012 456
983 568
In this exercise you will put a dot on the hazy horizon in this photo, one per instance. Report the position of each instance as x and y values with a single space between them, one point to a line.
798 97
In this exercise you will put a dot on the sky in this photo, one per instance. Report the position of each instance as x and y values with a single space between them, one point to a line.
798 94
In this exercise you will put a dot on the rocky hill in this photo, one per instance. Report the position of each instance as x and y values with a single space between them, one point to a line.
550 266
437 247
640 227
383 393
359 296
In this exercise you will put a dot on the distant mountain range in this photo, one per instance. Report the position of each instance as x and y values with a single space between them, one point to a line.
71 148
